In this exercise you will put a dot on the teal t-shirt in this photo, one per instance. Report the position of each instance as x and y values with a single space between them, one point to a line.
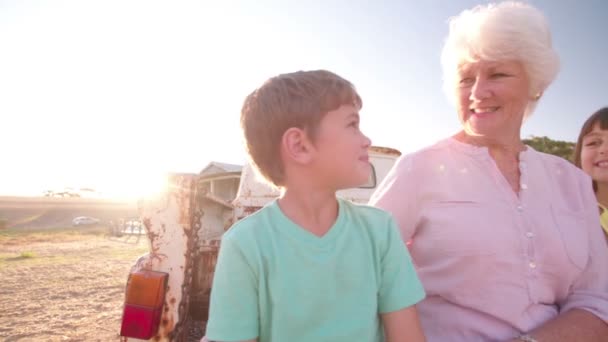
277 282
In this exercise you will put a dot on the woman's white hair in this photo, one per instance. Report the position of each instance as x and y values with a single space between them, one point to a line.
498 32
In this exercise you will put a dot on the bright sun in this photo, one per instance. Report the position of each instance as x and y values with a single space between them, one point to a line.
133 186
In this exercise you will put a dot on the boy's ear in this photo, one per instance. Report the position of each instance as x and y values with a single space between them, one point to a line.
296 146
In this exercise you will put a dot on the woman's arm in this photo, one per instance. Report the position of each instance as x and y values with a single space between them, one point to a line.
584 310
576 325
402 326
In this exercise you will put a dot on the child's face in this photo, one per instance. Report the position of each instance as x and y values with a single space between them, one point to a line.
594 154
341 149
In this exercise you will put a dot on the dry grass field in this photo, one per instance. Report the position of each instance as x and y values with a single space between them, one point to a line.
62 284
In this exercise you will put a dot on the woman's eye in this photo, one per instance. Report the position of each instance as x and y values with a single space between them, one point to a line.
592 143
499 75
466 81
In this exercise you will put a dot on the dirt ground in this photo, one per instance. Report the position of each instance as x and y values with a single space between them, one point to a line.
64 285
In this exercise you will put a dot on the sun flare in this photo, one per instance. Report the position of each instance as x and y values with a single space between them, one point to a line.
133 186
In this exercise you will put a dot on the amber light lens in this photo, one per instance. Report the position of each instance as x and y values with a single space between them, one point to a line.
144 299
146 288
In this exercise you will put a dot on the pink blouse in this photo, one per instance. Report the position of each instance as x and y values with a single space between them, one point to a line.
495 263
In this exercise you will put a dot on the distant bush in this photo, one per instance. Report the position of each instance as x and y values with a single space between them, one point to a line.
3 223
27 255
564 149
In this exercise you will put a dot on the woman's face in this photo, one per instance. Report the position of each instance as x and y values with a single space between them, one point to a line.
594 154
492 97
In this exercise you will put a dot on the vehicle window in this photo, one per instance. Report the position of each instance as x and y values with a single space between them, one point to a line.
371 181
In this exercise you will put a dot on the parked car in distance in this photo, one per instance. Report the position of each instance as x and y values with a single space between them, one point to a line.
84 221
64 193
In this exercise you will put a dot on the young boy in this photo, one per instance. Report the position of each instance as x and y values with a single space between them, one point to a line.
310 266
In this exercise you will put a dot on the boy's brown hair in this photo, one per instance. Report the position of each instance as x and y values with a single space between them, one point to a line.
300 99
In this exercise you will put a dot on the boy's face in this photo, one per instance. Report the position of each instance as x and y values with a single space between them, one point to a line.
341 149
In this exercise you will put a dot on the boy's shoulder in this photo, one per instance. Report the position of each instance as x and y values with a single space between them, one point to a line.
371 218
253 226
364 210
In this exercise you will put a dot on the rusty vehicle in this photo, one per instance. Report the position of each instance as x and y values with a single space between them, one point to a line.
168 289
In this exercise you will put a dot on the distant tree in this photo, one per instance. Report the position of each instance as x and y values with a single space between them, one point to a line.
564 149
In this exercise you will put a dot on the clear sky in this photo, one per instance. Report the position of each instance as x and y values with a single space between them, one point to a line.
110 94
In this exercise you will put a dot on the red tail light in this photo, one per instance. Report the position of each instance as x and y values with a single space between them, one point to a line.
144 299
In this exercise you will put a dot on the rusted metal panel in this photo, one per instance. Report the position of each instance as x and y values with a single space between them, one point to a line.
215 200
168 220
202 280
216 217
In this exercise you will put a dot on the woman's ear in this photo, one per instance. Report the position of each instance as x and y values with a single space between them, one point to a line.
296 146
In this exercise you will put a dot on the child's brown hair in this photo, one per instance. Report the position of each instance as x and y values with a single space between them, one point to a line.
300 99
598 118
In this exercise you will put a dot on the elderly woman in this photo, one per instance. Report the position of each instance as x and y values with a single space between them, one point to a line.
505 239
